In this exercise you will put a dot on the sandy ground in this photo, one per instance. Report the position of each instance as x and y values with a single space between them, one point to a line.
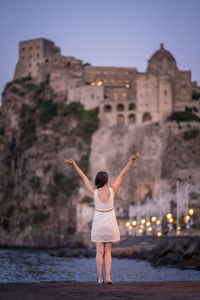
182 290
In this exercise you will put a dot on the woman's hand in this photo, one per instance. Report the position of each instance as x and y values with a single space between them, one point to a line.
134 156
70 161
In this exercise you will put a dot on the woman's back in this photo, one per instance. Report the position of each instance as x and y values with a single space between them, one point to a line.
103 199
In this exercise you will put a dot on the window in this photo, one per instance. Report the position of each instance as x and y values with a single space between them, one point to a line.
23 49
38 64
38 55
38 47
30 47
115 95
30 56
146 85
132 106
120 107
146 117
165 92
22 57
124 94
46 60
120 119
131 119
30 65
92 96
107 108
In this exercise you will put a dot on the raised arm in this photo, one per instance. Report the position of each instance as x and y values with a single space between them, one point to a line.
81 174
119 179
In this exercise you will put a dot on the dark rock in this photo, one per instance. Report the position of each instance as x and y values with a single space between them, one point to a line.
190 251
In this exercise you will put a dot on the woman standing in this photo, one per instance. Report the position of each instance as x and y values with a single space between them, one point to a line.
105 229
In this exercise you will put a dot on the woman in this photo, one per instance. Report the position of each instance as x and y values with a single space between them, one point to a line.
105 229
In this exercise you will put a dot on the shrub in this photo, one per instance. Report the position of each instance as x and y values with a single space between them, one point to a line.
47 168
183 116
191 134
35 182
65 184
28 129
2 131
84 162
27 110
40 216
48 112
86 199
195 95
88 119
10 211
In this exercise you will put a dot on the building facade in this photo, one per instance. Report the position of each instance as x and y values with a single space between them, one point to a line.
124 95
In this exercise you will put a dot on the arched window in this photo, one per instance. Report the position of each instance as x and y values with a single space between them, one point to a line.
146 117
131 119
120 119
132 106
120 107
107 108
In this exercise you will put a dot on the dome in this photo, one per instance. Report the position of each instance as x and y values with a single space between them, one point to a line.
162 53
161 62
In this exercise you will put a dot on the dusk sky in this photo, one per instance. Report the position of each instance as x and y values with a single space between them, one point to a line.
106 33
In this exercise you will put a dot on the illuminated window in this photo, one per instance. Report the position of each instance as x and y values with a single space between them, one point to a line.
115 95
127 85
99 83
124 94
120 107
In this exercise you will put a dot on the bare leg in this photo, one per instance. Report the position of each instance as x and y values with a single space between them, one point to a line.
108 261
99 259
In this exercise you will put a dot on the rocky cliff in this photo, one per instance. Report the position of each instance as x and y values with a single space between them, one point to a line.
42 200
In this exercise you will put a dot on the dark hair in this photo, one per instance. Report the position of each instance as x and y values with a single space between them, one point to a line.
101 179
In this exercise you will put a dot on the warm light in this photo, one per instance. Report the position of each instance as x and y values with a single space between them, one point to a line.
150 229
141 226
93 83
187 219
179 227
169 216
128 224
134 223
140 230
191 212
99 83
171 220
143 221
159 233
148 224
158 222
130 227
178 232
127 85
153 219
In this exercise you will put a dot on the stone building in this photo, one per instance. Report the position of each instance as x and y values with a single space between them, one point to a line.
123 95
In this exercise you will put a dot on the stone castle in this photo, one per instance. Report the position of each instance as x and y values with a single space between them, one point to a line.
123 95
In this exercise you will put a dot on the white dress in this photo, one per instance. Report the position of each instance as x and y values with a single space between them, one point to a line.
104 225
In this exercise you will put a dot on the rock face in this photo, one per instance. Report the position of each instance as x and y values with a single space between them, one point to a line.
38 191
42 201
